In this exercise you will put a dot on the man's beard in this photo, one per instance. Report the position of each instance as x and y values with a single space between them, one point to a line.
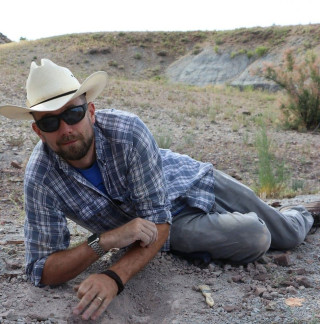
77 150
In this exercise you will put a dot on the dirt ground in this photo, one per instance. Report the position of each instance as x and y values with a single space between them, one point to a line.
281 288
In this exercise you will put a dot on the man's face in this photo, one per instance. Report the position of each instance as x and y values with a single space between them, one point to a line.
74 143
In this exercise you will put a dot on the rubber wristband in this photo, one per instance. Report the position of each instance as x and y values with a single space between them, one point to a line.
116 278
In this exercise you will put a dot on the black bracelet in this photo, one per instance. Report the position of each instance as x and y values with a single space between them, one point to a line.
116 278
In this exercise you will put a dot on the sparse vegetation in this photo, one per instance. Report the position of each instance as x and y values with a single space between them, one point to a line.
272 173
302 84
261 50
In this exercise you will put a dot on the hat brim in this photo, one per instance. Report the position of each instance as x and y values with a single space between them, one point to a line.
92 87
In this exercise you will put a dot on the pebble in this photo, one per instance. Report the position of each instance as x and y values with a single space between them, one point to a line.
229 308
304 281
282 260
259 291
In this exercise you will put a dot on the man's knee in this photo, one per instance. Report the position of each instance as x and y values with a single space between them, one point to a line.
256 240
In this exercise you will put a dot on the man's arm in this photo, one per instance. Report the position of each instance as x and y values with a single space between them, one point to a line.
102 286
64 265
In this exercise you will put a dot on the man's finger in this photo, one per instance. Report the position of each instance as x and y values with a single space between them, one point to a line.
86 299
95 305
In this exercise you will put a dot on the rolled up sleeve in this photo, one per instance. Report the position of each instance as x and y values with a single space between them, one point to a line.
45 230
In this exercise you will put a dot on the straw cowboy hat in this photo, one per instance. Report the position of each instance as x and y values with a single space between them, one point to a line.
50 87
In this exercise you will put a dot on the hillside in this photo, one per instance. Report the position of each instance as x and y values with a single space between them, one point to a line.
197 58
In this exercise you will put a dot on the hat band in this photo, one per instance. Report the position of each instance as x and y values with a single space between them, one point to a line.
62 95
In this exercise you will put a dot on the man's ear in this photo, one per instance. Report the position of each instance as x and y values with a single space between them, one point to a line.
38 131
91 110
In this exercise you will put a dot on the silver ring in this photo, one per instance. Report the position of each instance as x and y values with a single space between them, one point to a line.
101 300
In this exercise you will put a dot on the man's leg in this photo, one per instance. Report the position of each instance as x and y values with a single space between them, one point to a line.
229 236
288 229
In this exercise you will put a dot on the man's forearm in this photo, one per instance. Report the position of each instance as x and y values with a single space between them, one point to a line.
65 265
137 257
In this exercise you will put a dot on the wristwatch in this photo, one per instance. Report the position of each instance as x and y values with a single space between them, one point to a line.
93 242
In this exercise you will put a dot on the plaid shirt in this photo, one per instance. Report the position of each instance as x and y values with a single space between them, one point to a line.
141 181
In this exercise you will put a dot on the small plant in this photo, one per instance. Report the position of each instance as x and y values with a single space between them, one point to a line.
212 114
163 141
196 50
216 49
138 56
261 51
272 173
113 63
219 41
302 83
16 140
250 54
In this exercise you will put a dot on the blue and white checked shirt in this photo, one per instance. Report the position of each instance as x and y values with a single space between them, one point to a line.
143 180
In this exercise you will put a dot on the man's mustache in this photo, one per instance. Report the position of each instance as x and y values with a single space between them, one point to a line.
68 138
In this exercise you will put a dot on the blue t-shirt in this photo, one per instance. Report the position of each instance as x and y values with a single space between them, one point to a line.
93 175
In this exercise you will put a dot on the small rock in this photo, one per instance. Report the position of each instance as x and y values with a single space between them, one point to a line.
291 290
271 306
16 165
237 278
264 260
282 260
303 281
38 317
300 271
261 276
229 308
261 268
259 291
268 296
8 314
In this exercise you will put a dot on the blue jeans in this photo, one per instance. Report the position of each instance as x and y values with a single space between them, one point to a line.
240 228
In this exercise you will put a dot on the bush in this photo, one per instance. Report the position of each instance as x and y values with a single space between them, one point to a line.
272 173
302 84
261 51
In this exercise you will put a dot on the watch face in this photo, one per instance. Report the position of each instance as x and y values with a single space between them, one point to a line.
93 238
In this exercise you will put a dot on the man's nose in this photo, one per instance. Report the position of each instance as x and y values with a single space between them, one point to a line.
65 128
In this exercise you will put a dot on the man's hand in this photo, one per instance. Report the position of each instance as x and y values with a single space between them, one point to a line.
95 294
137 229
100 286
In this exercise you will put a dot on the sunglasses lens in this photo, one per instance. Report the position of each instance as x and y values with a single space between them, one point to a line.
48 124
73 115
70 116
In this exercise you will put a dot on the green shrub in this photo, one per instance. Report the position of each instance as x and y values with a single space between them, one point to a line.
219 41
113 63
250 54
272 173
301 81
138 56
261 51
163 141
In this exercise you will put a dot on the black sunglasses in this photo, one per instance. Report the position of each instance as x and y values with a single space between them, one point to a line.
71 116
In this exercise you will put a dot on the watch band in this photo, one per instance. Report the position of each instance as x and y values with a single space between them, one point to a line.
116 278
93 242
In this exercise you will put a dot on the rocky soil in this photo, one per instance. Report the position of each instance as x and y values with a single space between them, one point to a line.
281 288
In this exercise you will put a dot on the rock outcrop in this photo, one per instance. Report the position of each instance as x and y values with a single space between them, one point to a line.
209 67
4 39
